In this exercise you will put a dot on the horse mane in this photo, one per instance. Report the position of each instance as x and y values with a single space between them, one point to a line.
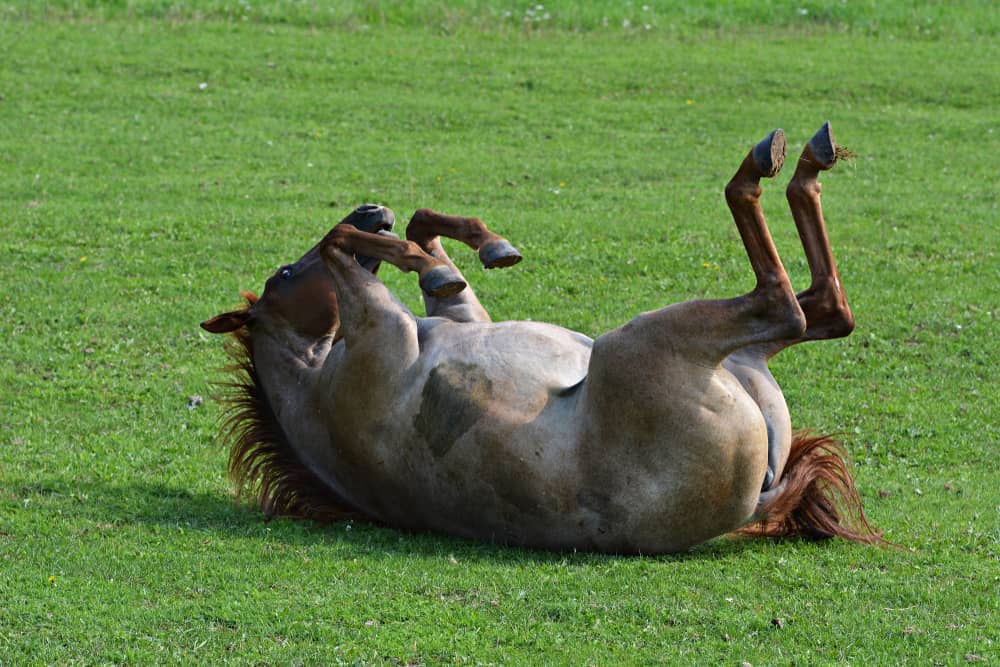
262 462
818 500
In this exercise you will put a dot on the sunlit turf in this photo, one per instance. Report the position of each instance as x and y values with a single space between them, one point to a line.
155 162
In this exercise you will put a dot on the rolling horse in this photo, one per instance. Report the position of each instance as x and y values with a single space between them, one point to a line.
656 436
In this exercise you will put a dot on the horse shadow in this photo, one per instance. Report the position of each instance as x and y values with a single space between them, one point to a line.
218 515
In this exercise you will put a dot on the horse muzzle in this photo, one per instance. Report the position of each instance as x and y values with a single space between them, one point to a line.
371 218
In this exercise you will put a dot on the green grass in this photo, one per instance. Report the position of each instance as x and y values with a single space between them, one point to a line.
921 20
137 202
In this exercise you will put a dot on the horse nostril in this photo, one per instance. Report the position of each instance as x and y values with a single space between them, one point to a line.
367 208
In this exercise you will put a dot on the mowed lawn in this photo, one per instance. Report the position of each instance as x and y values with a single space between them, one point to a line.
156 158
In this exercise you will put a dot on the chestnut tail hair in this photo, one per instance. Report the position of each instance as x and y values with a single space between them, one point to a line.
819 499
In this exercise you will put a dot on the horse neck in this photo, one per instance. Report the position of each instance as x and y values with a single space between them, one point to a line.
289 368
290 371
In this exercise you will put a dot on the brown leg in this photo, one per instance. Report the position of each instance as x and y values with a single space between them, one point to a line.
425 228
494 251
772 312
462 306
684 343
743 196
436 277
707 331
824 303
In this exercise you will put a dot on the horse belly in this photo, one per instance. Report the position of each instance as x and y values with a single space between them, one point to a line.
480 439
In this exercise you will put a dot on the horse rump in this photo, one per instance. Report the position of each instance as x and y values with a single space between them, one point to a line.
817 498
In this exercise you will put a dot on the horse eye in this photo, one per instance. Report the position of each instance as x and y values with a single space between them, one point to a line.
285 272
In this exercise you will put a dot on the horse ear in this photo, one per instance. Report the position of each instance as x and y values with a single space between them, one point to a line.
226 322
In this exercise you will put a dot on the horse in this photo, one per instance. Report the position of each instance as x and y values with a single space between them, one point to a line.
652 438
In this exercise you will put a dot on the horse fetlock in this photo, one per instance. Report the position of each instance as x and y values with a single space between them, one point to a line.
802 189
741 192
413 255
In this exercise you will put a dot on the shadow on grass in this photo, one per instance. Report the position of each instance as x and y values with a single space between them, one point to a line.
168 507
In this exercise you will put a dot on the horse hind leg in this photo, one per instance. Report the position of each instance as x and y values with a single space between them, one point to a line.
824 303
708 331
705 332
768 313
425 228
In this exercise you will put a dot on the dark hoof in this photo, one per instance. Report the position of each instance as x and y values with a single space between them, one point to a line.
823 147
499 254
441 282
769 154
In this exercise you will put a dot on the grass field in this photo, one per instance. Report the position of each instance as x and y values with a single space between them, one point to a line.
156 157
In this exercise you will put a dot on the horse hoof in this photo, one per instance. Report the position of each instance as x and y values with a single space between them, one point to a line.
441 282
823 147
769 154
499 254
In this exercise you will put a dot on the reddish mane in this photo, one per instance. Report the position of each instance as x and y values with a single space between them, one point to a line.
262 463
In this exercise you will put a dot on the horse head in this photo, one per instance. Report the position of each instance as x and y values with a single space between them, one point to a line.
297 314
299 298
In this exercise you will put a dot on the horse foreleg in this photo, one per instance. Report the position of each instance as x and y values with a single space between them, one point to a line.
437 278
494 251
425 228
380 333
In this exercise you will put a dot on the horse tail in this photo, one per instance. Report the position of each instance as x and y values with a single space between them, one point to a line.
815 498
